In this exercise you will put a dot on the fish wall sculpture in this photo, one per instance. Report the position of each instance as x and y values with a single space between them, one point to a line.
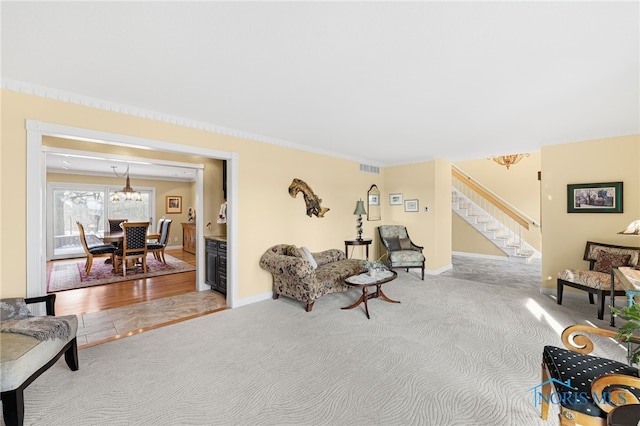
311 199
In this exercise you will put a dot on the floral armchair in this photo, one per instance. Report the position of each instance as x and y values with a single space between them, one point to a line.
401 251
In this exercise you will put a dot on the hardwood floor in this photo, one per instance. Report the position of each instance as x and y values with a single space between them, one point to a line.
104 297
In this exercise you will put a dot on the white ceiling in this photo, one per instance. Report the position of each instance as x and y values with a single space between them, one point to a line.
379 82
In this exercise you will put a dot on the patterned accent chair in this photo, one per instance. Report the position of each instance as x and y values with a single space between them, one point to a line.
597 279
103 250
114 225
587 388
295 276
134 246
401 251
30 346
158 248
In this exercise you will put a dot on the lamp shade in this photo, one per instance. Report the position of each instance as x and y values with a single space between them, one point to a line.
360 208
632 229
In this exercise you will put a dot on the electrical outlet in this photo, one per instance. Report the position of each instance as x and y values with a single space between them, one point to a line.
175 238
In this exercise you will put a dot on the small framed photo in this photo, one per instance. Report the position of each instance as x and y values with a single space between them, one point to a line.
395 199
411 205
174 204
374 199
594 197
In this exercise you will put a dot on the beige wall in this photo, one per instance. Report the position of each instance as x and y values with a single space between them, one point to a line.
565 234
430 184
267 215
518 185
466 239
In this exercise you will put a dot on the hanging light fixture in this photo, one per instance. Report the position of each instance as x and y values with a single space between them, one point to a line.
509 160
127 191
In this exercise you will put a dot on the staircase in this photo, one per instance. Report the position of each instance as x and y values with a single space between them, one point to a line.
499 223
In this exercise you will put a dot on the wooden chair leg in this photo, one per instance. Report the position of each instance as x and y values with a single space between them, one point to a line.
546 392
309 306
89 264
591 298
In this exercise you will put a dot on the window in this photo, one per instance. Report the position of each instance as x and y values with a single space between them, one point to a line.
71 203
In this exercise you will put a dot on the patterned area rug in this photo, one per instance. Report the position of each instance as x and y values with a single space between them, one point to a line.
71 275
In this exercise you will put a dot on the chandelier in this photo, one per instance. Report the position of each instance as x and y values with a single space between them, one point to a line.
509 160
127 191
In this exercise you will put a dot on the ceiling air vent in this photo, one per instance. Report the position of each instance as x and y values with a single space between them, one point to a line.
365 168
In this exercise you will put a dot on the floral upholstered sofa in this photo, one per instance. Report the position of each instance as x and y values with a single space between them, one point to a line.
299 274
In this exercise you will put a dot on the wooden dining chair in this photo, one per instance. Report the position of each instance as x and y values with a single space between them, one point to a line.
158 248
102 250
114 224
134 246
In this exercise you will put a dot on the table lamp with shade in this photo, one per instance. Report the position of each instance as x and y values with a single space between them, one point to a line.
632 229
360 211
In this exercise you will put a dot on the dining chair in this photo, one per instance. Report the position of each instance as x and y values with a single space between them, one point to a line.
114 224
158 230
158 248
101 250
134 246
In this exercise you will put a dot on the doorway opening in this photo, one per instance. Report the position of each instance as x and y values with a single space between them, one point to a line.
36 201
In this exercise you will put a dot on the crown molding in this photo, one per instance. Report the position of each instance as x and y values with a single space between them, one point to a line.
74 98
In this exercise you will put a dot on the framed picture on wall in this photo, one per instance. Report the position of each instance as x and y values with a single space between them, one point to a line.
411 205
395 199
174 204
594 197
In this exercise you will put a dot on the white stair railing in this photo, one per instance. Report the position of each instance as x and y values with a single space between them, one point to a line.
497 215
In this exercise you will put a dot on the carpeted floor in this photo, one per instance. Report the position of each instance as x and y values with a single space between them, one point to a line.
68 275
454 352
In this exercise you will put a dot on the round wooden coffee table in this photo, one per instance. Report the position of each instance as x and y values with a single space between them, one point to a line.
365 281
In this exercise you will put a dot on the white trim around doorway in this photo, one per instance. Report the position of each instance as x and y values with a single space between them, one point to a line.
36 198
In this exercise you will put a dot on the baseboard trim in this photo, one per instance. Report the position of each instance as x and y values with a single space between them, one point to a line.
236 303
480 256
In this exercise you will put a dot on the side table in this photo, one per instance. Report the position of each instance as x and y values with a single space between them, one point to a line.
363 242
630 280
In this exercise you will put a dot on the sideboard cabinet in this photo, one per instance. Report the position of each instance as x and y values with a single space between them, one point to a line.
216 250
189 237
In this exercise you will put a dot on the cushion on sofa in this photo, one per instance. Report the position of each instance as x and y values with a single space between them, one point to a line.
606 260
309 257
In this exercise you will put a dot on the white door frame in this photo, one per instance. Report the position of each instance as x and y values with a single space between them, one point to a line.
36 198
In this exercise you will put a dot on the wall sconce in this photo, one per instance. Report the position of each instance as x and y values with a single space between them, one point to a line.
360 211
509 160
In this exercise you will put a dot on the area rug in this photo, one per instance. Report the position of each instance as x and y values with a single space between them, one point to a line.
71 275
